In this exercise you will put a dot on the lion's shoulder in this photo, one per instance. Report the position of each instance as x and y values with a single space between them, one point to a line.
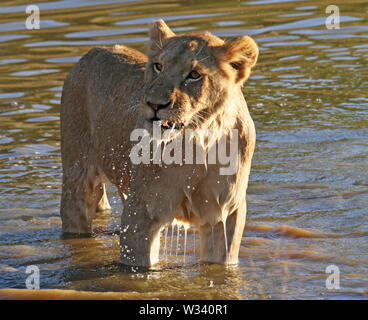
129 54
105 56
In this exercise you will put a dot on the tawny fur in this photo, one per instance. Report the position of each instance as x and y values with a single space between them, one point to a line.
105 98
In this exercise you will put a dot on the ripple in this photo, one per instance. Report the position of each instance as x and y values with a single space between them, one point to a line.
87 43
20 25
8 61
43 119
28 73
147 20
12 37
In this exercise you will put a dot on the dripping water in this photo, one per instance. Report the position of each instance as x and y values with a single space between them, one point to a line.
168 244
165 243
194 243
213 239
185 240
172 238
177 239
225 237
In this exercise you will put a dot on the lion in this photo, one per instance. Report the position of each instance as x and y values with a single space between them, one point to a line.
190 81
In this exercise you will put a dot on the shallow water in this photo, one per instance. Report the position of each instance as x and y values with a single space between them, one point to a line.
308 192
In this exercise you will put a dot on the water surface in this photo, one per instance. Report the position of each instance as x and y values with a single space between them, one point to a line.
308 192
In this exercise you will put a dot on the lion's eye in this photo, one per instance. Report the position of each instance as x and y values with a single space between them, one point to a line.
194 75
157 67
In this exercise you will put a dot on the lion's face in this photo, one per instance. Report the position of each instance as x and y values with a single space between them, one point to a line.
188 77
183 84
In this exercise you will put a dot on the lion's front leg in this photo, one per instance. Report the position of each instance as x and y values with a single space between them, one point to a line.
139 235
145 214
221 244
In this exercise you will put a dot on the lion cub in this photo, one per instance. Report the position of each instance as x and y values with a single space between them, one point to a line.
130 119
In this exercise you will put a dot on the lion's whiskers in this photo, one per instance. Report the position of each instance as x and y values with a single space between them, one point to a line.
199 51
203 58
158 45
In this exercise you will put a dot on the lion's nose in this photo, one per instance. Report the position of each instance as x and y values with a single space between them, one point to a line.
156 106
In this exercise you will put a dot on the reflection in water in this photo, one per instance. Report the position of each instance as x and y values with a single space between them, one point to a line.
308 190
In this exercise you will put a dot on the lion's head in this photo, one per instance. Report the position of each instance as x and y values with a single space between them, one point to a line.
189 78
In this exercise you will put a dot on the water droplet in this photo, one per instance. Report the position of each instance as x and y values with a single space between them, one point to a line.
185 240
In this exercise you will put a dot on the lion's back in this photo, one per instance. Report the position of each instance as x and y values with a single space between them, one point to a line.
101 95
117 72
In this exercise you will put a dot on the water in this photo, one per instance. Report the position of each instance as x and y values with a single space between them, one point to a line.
225 238
308 192
185 241
165 241
177 238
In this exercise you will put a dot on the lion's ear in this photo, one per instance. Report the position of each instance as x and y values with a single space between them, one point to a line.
159 32
238 55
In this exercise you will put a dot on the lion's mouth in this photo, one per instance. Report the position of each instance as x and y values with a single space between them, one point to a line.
167 125
172 125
